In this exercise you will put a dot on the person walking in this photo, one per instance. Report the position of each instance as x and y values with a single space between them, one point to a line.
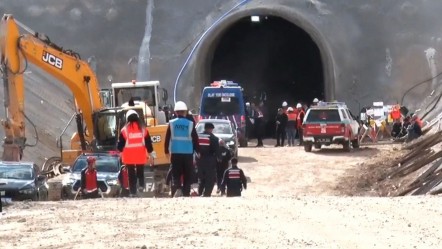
135 144
181 143
291 126
88 180
207 162
259 125
281 123
234 179
300 121
223 164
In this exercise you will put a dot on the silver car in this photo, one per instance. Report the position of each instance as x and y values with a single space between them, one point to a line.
108 167
224 130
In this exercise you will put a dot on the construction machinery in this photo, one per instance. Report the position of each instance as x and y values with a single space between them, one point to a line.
98 120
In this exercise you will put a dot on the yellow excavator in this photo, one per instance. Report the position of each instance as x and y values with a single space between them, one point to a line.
98 125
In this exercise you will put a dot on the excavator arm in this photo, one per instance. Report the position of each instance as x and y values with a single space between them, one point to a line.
16 51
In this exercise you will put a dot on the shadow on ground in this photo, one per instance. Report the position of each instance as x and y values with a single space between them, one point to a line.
363 151
246 159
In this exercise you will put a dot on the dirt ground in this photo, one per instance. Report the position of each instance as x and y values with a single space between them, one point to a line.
294 200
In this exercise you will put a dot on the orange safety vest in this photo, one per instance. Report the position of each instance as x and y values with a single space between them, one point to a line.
292 116
134 151
299 118
395 113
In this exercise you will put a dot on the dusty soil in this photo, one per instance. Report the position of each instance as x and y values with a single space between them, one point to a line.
294 200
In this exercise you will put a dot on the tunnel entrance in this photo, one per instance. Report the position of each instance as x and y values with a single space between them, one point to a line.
273 60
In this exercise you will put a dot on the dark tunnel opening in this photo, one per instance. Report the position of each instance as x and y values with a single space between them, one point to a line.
272 56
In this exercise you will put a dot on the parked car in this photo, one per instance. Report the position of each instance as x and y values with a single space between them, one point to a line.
22 181
330 123
108 167
224 130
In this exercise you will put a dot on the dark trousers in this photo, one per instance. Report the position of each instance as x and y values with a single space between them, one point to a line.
124 192
206 175
220 169
91 195
300 132
182 165
280 136
135 172
233 192
259 132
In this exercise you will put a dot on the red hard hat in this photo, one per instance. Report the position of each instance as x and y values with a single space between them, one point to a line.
91 159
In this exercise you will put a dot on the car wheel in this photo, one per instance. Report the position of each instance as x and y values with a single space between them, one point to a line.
308 147
355 143
347 146
318 146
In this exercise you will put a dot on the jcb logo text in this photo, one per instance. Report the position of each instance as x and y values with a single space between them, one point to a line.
155 139
52 60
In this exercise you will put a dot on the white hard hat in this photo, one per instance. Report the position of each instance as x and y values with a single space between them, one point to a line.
298 105
247 103
315 100
129 113
290 109
180 106
284 104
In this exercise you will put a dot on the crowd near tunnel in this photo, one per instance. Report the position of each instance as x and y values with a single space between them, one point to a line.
272 59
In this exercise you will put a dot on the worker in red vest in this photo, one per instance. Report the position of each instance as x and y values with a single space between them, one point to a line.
291 126
133 142
89 184
396 112
299 122
123 178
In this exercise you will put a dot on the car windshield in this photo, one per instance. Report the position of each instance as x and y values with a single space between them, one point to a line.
323 116
21 172
220 128
221 106
103 164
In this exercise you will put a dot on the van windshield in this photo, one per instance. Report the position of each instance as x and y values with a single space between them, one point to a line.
221 106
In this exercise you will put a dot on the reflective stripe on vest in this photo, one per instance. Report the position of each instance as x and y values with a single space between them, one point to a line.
134 151
181 136
204 139
234 174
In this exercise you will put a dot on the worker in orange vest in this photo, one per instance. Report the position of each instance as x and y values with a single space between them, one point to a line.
88 182
133 142
300 120
291 126
395 113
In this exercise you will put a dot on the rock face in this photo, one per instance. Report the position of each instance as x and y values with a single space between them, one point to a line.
110 31
369 51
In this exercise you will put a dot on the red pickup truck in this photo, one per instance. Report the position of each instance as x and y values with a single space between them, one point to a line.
330 123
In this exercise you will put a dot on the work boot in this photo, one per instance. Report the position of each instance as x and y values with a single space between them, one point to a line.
178 193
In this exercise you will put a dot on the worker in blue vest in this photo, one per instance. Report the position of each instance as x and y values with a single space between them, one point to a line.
181 143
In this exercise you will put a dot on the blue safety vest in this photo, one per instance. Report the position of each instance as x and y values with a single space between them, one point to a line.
181 136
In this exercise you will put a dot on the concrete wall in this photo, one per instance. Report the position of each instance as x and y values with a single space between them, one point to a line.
376 49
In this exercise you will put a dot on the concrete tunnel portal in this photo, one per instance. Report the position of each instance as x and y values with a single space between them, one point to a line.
274 56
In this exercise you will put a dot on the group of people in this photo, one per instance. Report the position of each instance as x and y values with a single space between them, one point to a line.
212 158
401 128
289 123
182 143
